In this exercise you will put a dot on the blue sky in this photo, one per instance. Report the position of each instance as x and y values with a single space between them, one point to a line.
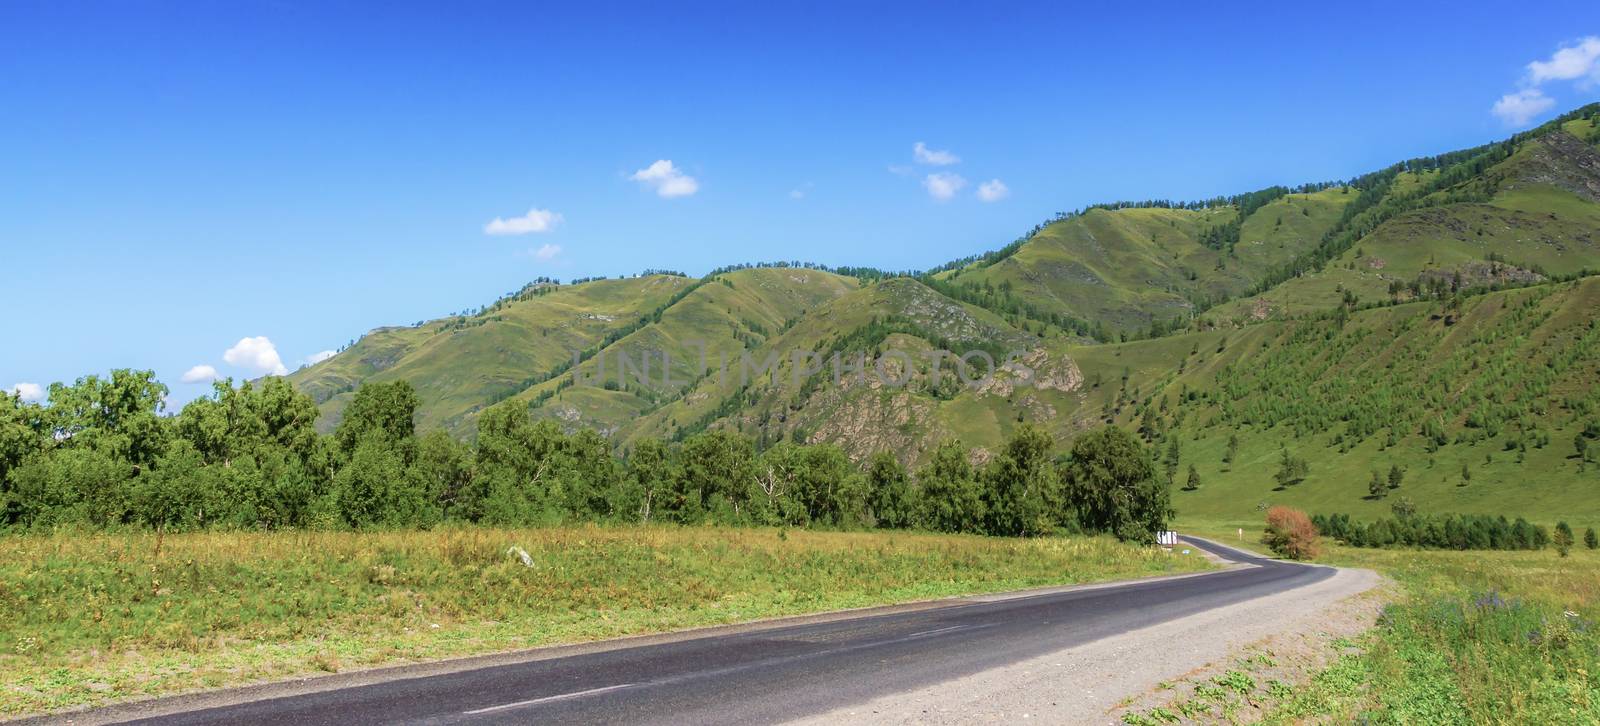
178 178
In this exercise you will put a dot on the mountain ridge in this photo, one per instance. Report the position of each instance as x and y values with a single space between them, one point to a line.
1113 305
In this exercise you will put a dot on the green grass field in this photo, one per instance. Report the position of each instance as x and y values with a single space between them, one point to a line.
1479 637
1466 637
92 618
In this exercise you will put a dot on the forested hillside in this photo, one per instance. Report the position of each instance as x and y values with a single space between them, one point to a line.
1518 212
1431 324
1473 404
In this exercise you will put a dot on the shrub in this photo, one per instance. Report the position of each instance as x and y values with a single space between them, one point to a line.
1291 534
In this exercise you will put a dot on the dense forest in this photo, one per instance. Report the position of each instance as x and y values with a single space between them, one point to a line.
102 454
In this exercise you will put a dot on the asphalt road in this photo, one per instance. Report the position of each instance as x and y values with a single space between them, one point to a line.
776 674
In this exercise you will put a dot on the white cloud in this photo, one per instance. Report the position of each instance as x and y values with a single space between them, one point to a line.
934 157
29 392
257 354
668 181
546 252
1579 62
943 185
1517 109
993 190
319 357
801 191
1576 62
536 220
200 374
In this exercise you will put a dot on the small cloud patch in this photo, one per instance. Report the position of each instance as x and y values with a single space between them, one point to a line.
1578 63
256 354
943 186
933 157
200 374
535 221
669 181
993 190
1517 109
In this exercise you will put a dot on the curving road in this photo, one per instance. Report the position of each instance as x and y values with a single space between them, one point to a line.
768 675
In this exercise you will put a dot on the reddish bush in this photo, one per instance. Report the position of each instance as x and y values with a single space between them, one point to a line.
1291 534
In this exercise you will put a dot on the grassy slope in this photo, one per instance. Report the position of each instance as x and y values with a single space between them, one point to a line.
1544 214
1521 359
861 415
1127 267
458 365
91 618
719 320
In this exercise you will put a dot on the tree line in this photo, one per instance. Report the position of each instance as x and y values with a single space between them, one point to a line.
1452 532
103 454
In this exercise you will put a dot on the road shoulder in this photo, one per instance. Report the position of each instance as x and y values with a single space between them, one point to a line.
1092 683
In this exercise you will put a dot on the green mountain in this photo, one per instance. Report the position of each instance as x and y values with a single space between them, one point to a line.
1431 316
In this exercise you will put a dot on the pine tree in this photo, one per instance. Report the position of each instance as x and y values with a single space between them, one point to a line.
1563 538
1291 470
1396 476
1590 540
1194 482
1170 462
1377 488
